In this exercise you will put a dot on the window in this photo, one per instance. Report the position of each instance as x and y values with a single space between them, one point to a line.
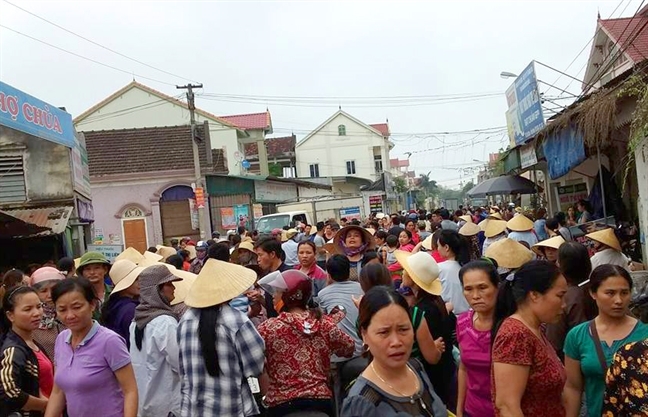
341 130
314 170
133 212
12 179
378 163
351 170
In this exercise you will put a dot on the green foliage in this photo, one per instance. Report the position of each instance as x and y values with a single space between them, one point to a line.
400 185
636 87
275 170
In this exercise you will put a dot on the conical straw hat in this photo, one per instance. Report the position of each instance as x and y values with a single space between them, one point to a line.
165 252
423 270
427 243
494 228
606 237
469 229
520 223
495 215
552 242
509 253
219 282
131 254
466 217
152 256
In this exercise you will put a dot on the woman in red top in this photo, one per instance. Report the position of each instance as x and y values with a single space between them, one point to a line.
411 226
528 377
299 344
308 265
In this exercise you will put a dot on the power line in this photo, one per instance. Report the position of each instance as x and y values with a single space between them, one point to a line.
612 58
95 43
335 98
587 44
124 112
84 57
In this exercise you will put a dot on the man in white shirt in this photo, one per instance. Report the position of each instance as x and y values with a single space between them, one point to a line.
289 247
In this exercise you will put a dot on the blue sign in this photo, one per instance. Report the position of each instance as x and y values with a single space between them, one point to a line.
524 116
25 113
350 213
245 164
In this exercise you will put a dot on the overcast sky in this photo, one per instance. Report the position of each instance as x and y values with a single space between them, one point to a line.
314 49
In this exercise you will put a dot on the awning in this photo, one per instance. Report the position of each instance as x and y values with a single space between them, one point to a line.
36 221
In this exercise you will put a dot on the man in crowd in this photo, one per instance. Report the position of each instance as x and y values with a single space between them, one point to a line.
446 223
396 228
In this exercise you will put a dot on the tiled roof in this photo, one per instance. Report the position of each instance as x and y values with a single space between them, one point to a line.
253 121
399 163
383 128
132 151
152 91
624 30
276 147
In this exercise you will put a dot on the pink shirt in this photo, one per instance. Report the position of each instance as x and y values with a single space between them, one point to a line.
475 355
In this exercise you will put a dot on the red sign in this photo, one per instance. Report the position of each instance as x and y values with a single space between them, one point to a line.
200 197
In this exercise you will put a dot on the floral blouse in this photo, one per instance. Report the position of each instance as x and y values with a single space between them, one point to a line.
626 391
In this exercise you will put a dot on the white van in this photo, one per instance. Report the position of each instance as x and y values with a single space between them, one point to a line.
269 222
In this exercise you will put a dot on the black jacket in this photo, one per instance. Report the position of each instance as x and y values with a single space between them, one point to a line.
18 376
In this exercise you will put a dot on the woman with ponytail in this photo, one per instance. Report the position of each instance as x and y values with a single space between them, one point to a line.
527 373
299 344
454 248
220 350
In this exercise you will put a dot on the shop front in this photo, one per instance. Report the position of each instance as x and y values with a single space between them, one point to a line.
44 181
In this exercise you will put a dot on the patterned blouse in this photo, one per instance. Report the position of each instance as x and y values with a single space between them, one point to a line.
626 392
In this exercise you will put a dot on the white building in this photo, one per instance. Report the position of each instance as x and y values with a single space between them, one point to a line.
139 106
346 150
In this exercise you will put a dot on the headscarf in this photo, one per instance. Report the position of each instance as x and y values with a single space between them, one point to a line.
152 304
349 252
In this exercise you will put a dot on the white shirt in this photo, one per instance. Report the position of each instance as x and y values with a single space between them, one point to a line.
156 368
609 256
452 288
290 249
528 237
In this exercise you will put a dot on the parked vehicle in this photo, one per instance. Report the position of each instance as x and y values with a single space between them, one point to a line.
311 212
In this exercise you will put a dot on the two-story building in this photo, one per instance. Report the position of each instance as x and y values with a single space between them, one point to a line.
348 152
45 201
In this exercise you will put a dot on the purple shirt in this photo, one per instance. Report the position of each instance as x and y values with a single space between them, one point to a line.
475 356
86 375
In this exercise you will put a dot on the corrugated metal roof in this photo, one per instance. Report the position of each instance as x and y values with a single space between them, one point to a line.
53 218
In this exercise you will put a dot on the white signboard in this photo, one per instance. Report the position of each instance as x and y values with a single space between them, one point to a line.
109 251
528 155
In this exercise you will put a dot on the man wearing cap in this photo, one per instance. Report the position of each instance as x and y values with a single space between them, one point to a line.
289 247
94 267
201 256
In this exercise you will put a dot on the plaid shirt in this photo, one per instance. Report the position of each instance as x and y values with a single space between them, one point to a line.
240 351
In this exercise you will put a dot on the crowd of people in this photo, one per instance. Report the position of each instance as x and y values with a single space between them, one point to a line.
474 313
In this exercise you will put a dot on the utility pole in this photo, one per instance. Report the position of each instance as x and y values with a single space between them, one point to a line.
199 190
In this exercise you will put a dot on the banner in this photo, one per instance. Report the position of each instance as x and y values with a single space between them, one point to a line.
569 195
241 215
228 221
109 251
195 218
376 203
257 209
528 156
350 213
20 111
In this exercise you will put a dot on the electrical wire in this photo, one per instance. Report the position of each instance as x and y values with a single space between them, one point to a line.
587 44
612 59
96 43
354 98
84 57
124 112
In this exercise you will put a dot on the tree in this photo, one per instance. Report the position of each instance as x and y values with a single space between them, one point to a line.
400 185
429 187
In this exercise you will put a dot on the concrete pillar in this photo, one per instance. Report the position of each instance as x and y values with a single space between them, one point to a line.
156 220
263 158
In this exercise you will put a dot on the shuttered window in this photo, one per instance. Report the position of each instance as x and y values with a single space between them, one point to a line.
12 179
